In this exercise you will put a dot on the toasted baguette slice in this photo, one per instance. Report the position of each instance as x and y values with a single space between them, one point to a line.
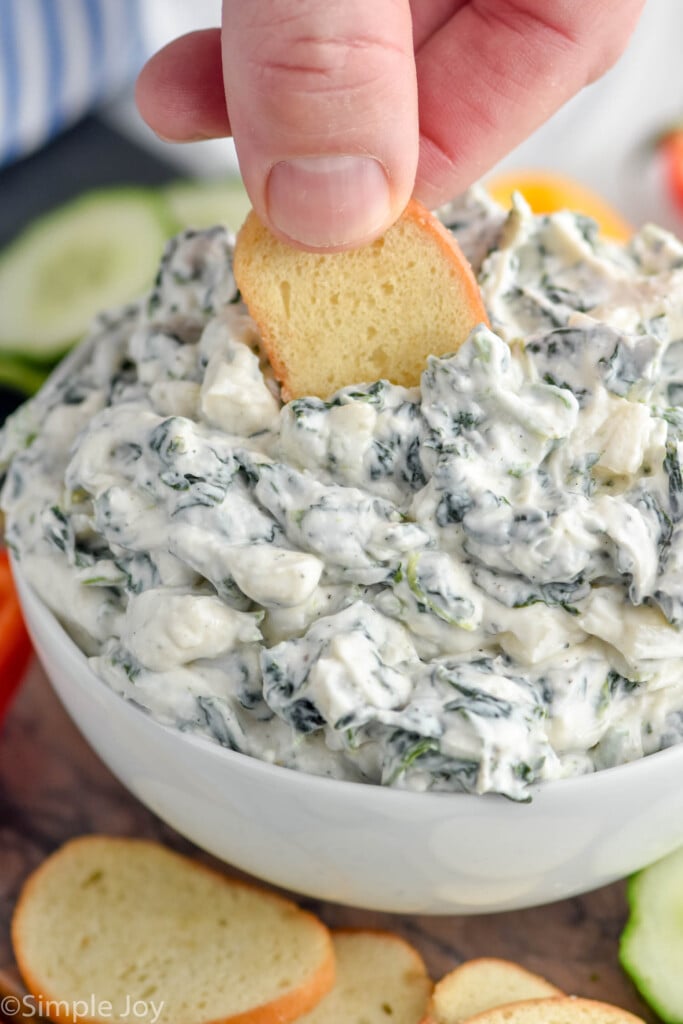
565 1010
333 319
380 978
120 920
484 984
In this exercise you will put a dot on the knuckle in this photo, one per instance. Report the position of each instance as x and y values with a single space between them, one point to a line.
334 64
602 35
591 34
612 44
319 68
316 85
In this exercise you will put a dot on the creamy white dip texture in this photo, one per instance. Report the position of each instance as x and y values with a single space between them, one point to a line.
471 586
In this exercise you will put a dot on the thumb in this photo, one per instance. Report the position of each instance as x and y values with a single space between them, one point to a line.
322 101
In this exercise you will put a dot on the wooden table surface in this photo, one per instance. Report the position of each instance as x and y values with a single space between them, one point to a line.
52 786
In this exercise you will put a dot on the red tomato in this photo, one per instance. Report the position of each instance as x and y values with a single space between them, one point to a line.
15 645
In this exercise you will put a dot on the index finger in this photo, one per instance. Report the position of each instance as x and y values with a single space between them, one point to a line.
497 70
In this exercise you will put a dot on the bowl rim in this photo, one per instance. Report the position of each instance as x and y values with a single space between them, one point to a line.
603 778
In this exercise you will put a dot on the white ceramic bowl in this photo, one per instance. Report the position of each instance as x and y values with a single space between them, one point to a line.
372 847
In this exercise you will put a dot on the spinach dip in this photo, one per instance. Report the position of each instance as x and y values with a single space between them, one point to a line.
474 585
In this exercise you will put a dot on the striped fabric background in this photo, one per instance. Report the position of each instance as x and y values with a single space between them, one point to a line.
57 58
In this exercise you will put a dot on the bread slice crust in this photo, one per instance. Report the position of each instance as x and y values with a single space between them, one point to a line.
483 984
282 1007
556 1010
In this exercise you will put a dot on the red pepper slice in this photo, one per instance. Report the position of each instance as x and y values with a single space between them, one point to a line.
15 644
672 149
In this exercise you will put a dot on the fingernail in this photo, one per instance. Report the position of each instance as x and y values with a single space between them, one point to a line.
329 201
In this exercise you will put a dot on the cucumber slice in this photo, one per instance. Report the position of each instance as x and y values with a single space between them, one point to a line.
98 251
202 204
651 949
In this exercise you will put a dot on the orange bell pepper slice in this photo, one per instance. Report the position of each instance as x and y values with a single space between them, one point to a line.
546 192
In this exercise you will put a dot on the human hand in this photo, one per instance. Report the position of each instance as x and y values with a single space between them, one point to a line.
323 97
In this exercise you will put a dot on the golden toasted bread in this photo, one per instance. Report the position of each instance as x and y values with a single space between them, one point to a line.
483 984
328 320
380 978
127 921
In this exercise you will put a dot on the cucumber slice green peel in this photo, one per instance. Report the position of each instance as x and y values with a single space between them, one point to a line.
96 252
651 948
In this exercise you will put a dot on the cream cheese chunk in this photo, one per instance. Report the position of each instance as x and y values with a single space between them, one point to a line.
165 629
